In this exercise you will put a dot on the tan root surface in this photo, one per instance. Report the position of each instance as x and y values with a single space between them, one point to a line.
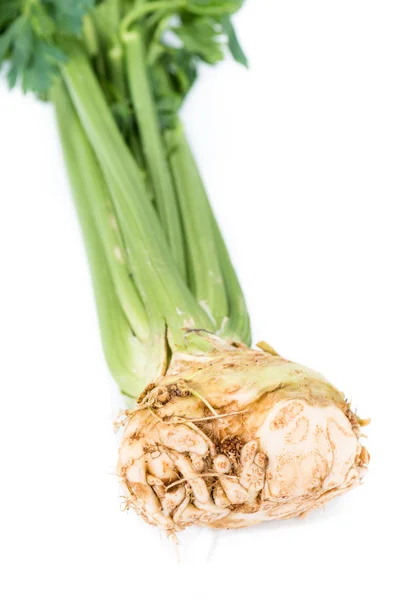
236 438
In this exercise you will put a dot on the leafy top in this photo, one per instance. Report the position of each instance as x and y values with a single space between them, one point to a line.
180 35
202 32
31 30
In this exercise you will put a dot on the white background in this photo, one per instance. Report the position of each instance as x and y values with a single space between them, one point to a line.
301 156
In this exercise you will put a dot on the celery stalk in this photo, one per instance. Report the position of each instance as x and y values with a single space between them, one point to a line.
153 145
214 276
153 268
122 349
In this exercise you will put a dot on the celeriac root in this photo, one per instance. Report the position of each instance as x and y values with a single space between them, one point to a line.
236 438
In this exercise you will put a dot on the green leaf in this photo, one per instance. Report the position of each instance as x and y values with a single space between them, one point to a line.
233 42
53 53
214 7
12 76
30 39
43 69
68 14
9 11
202 37
6 40
24 45
41 22
185 71
172 77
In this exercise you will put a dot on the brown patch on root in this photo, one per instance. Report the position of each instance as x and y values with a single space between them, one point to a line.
159 395
287 414
352 417
355 421
246 509
232 447
364 458
179 389
145 392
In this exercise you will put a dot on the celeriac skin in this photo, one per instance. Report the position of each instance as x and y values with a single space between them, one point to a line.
235 437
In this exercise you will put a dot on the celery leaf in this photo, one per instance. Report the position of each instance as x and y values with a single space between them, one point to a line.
29 40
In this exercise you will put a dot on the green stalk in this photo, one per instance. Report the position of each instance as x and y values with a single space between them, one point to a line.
206 275
115 11
107 19
115 59
122 350
202 232
160 285
237 326
142 9
108 228
210 271
90 36
153 145
137 151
